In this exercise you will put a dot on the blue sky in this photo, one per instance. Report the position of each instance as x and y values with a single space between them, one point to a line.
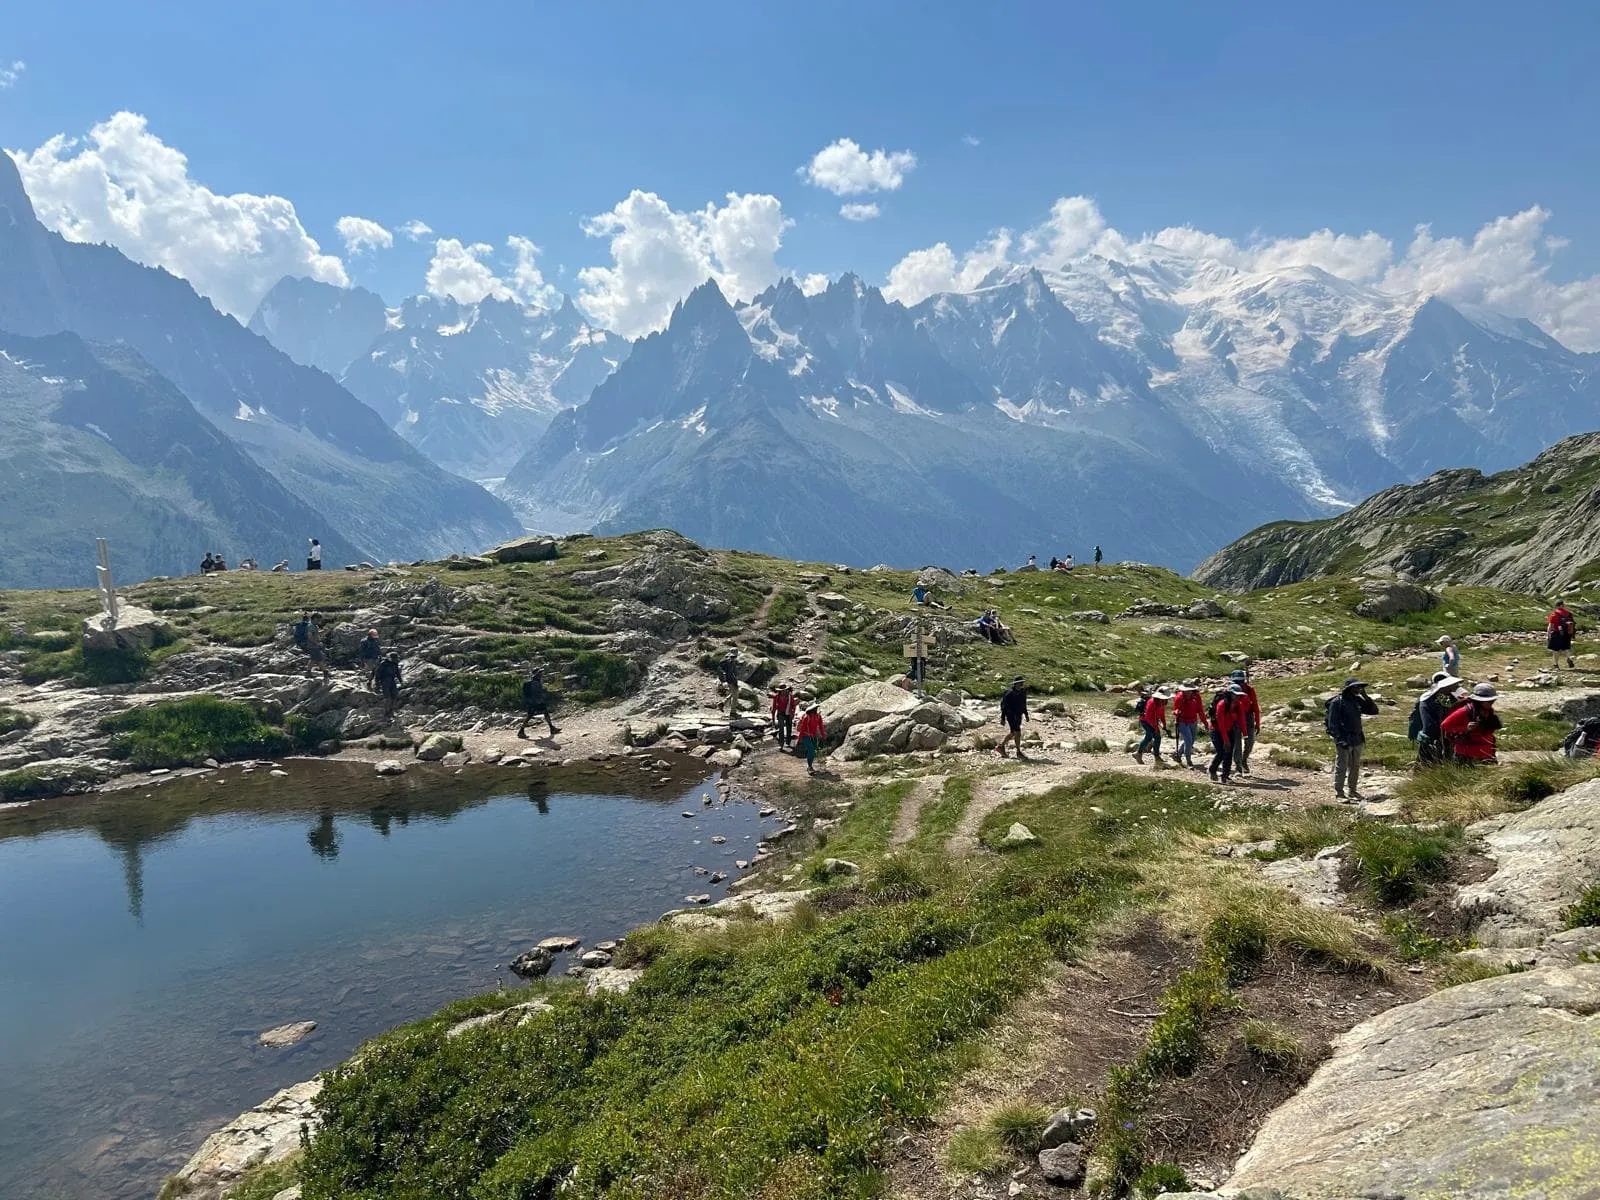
1242 120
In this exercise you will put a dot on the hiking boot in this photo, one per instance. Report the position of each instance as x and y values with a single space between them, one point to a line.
1338 793
1021 757
1571 662
1138 757
554 729
1161 763
1213 776
1355 795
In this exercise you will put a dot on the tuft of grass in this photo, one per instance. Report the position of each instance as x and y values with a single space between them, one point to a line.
975 1151
1094 745
1586 911
897 878
1470 970
13 719
1273 1046
32 783
1018 1125
1413 945
1306 833
1295 760
1398 862
1161 1177
175 733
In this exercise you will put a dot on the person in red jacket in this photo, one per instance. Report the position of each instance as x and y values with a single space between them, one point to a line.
1562 626
1470 727
1225 725
784 704
1249 722
1153 717
811 735
1189 715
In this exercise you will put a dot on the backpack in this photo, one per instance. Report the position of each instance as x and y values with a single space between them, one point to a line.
532 691
1569 625
1414 729
1217 701
1139 705
1327 717
302 632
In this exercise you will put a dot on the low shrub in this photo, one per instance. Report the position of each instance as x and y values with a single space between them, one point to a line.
30 783
175 733
1018 1125
1397 862
1586 911
1273 1046
1161 1177
1094 745
12 719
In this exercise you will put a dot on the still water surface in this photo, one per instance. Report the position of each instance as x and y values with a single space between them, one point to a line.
146 940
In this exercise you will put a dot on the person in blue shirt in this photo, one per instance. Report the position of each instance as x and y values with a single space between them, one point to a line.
921 595
1449 656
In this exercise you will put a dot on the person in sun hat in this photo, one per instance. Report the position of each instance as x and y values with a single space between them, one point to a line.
1189 716
1432 708
1342 716
811 733
1449 656
1249 721
1224 729
1469 730
784 704
1153 717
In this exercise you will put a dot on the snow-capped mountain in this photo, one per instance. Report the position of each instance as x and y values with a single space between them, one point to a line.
317 324
1157 407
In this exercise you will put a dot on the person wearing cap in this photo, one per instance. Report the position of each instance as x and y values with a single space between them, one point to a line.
1189 716
1343 719
1013 711
369 654
1224 730
1432 708
1469 730
783 709
1449 656
1249 721
1154 720
811 734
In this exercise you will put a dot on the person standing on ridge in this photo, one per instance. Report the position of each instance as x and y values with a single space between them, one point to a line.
1562 626
1469 729
1013 711
1154 719
1449 656
314 556
1097 556
811 734
535 703
1249 722
1189 715
1342 716
784 704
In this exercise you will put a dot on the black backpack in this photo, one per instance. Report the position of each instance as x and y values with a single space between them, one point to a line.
302 632
1414 729
1139 705
1327 717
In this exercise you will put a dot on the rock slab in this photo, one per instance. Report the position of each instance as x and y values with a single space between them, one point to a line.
268 1132
287 1035
1489 1089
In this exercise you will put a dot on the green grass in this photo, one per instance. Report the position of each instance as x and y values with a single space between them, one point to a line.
174 733
12 719
1273 1046
1294 759
938 819
866 829
1398 862
32 783
1019 1125
1586 911
975 1150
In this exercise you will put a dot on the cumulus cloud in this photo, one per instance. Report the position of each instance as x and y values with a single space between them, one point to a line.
858 212
845 169
125 186
814 283
361 235
971 139
1505 267
659 255
416 230
458 270
9 74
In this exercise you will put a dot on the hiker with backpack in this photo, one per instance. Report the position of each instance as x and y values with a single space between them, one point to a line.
1249 721
728 672
784 704
1428 716
811 734
1013 711
1224 731
1562 625
1152 713
1469 730
387 679
1342 717
308 638
1189 716
369 654
535 703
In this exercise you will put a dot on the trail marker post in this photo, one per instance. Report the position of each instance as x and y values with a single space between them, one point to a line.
102 574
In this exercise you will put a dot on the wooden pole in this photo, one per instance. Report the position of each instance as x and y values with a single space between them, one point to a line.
108 593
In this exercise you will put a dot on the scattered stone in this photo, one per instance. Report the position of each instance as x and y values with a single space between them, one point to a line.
286 1035
436 745
456 758
560 944
516 1014
611 979
1067 1125
838 866
533 963
701 898
278 773
833 601
1018 835
595 958
717 839
1090 616
1063 1165
718 876
390 766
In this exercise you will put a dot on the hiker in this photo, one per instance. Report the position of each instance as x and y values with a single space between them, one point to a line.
1055 563
784 704
1224 731
314 556
1562 626
922 596
386 677
988 626
1469 729
368 655
282 567
1097 556
1032 564
1428 716
811 735
728 672
1066 563
1013 711
1342 717
1249 722
535 703
1189 716
1449 656
312 645
207 564
219 564
247 564
302 631
1152 712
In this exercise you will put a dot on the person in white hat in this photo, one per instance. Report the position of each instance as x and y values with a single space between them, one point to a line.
1153 717
1469 730
1433 706
1188 716
1449 656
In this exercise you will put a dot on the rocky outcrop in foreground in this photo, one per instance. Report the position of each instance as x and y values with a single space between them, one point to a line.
268 1132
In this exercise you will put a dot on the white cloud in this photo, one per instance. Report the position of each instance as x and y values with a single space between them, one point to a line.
845 169
415 230
361 235
971 139
10 74
814 283
858 212
527 282
458 271
659 255
1505 267
125 186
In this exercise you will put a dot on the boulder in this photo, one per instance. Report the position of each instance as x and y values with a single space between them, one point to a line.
834 602
436 745
832 867
530 964
611 979
1488 1089
510 1017
1181 632
286 1035
1544 857
560 944
926 737
390 766
682 581
863 703
1090 616
1204 610
1067 1125
595 958
887 735
136 629
526 549
268 1132
1018 835
1063 1165
1390 597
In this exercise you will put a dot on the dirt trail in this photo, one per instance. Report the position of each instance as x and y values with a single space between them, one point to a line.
905 822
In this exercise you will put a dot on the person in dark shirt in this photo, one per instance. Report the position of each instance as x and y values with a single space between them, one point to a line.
1343 719
370 653
387 677
535 703
1013 711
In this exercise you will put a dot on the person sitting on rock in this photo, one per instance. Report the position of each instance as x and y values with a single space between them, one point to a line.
1013 711
387 678
923 596
218 564
811 734
207 564
535 703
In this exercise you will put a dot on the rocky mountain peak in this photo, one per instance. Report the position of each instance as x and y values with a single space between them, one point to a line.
15 207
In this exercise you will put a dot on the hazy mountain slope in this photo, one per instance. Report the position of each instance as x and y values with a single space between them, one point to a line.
317 324
323 444
1536 527
94 443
